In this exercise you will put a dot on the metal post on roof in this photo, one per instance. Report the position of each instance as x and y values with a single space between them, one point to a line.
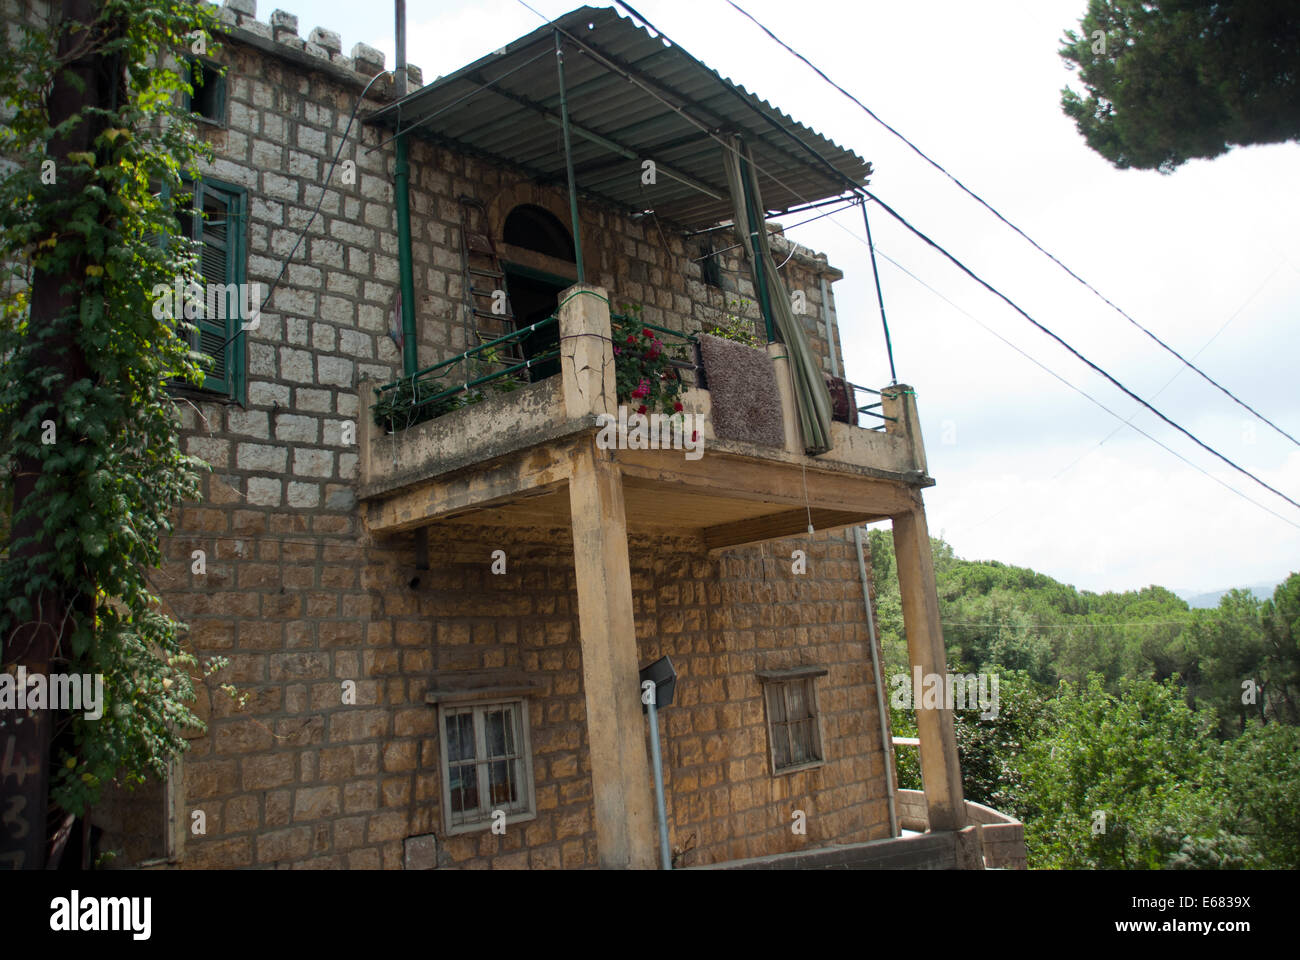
402 200
568 159
756 223
880 298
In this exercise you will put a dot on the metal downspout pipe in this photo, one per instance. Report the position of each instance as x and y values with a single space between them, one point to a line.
887 748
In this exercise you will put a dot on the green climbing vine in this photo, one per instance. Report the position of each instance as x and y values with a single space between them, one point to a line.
111 469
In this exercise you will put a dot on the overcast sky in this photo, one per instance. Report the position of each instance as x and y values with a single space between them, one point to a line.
1022 473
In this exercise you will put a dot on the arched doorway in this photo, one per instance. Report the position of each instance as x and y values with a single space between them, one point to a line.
534 293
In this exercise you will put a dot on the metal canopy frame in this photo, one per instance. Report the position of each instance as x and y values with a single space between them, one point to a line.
622 96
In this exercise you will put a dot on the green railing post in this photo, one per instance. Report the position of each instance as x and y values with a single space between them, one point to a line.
568 160
406 276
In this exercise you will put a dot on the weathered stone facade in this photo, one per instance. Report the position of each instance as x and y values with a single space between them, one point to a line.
300 597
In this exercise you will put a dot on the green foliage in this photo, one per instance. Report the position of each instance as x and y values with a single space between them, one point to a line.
644 378
992 749
1139 759
1112 702
108 228
1261 791
1180 79
1280 620
733 325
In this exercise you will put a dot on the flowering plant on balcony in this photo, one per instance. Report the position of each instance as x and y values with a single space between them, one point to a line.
646 380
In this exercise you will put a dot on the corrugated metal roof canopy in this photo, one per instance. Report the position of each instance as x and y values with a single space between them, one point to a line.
630 95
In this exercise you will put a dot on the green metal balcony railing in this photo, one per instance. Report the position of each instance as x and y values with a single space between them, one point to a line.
871 409
410 400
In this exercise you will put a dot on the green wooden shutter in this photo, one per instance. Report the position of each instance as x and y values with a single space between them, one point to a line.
217 266
220 229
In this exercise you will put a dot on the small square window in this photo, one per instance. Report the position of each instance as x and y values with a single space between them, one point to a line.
487 765
793 722
209 97
710 268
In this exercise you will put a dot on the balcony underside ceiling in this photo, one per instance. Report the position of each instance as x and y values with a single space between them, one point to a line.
722 522
727 500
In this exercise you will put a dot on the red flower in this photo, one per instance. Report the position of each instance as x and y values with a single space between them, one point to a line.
677 407
695 436
631 338
641 409
618 351
647 333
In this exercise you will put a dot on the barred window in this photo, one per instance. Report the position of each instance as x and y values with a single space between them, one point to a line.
486 765
793 719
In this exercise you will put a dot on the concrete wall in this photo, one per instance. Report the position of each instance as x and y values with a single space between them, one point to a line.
1003 836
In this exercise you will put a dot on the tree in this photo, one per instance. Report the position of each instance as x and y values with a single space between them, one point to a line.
89 456
1168 81
1230 653
1128 781
1280 617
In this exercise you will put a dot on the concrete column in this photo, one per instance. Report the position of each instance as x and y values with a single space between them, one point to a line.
366 429
620 771
940 770
899 403
785 387
586 353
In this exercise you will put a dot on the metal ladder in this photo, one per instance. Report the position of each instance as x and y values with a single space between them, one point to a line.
482 276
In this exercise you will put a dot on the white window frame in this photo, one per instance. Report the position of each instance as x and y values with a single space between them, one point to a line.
524 742
783 682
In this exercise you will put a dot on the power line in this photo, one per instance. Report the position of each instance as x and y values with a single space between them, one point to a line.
1011 303
884 256
1072 626
1129 421
1022 233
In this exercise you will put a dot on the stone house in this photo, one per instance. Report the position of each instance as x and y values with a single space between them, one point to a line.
439 622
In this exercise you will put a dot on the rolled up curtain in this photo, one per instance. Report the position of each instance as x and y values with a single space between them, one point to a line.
812 399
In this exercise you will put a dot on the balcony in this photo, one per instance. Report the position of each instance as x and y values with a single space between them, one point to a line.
509 457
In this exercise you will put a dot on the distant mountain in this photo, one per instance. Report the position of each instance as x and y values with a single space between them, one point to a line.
1202 601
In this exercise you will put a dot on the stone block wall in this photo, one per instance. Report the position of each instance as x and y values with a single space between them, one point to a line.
301 779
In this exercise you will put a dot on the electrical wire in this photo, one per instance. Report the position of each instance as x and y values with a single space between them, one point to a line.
1129 421
1032 242
1011 303
310 220
1083 393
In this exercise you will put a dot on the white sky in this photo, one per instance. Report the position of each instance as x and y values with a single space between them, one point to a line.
977 86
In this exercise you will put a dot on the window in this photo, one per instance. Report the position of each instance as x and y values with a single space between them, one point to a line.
209 98
793 720
220 228
710 268
487 765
